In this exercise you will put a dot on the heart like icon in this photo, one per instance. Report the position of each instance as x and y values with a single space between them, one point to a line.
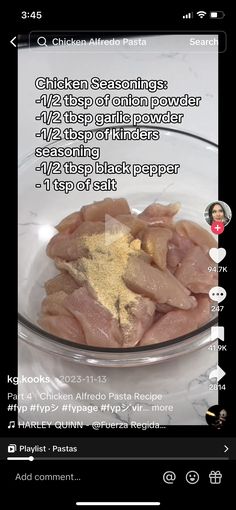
217 254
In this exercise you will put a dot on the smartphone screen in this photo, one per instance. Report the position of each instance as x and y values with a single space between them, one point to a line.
118 386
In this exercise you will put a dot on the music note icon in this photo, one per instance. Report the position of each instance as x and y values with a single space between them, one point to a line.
11 425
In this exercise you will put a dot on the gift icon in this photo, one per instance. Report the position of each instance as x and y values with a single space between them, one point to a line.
215 477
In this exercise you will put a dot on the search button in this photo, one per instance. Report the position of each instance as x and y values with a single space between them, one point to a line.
169 477
42 41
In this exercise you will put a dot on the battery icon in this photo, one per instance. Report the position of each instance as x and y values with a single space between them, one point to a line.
217 14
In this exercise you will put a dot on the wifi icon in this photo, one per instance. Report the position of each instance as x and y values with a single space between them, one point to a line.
201 14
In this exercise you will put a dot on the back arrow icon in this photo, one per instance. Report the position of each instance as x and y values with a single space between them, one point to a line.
12 42
225 448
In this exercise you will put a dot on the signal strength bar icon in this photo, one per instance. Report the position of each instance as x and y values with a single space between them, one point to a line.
189 15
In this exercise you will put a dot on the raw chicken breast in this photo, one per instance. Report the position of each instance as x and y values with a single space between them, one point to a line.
98 210
160 286
163 263
70 223
196 233
193 271
76 271
62 326
178 323
66 246
99 326
155 242
141 318
53 304
63 281
133 222
164 308
158 215
87 228
70 246
178 247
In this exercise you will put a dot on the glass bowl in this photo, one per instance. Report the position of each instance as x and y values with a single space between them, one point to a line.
195 186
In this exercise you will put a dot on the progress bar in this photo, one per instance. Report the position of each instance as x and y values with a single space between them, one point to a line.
117 503
21 458
31 458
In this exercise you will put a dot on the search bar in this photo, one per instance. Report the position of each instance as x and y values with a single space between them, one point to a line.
172 42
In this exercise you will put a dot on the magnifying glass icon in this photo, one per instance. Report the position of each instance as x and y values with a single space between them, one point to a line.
42 41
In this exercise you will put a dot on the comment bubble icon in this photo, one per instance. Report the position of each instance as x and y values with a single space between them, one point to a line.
217 294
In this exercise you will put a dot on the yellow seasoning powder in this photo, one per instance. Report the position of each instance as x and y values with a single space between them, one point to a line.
105 267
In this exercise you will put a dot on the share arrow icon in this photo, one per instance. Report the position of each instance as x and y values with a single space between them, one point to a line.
217 373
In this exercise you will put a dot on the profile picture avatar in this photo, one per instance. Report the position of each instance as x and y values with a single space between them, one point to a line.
217 417
218 211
